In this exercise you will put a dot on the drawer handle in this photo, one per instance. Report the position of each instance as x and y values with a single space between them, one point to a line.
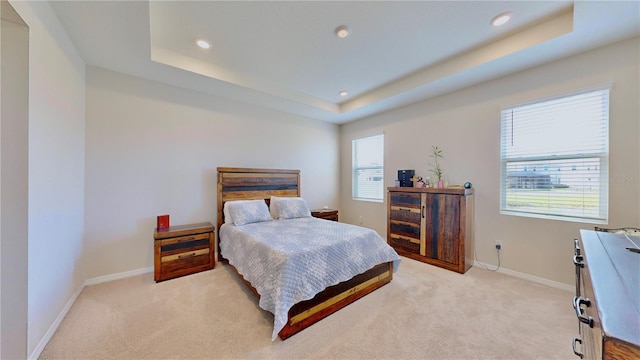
575 351
186 255
422 211
578 282
577 302
577 261
186 239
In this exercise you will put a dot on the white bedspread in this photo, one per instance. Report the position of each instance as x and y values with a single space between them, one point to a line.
289 261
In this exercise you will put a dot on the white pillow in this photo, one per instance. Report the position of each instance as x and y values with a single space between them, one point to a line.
247 212
225 210
288 208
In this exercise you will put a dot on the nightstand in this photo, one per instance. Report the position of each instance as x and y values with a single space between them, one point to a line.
183 250
326 214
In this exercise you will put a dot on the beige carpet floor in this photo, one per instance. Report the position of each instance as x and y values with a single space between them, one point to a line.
424 313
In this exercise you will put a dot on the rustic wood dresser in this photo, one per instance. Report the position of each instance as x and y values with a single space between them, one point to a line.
434 226
607 301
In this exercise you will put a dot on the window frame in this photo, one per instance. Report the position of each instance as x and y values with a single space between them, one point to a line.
578 154
355 195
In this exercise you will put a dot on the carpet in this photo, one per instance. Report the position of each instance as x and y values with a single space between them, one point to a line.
425 313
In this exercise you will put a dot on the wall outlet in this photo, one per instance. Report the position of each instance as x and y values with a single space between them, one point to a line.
360 220
498 245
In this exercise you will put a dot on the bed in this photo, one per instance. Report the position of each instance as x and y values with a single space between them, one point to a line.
241 248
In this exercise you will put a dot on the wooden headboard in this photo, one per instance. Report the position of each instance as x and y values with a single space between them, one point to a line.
253 184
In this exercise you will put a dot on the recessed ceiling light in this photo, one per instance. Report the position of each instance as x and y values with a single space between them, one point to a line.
343 93
501 19
203 43
343 31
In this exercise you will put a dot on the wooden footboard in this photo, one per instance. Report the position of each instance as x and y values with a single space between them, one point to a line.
334 298
331 299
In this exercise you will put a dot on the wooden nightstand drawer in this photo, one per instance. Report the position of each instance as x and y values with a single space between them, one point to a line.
183 250
188 240
174 264
184 255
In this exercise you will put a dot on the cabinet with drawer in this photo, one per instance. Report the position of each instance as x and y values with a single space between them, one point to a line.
434 226
606 302
326 214
183 250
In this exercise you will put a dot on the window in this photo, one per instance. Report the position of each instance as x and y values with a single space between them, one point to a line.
554 158
367 164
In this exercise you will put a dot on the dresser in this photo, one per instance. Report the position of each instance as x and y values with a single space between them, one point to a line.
183 250
607 301
327 214
434 226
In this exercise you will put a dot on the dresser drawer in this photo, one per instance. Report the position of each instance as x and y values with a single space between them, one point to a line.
405 200
408 243
405 229
405 214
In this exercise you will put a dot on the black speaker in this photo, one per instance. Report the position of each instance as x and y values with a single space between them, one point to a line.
404 176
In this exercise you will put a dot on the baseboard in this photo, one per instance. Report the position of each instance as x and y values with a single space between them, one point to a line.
35 354
535 279
122 275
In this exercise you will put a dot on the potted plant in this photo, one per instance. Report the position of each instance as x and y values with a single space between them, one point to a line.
436 154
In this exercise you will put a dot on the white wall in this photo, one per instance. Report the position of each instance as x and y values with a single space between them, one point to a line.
466 125
56 168
14 121
153 149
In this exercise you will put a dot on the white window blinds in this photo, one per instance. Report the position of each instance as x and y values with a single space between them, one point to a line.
554 157
368 168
